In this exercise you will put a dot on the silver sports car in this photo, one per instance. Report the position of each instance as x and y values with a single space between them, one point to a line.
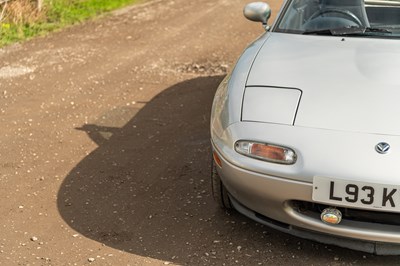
305 130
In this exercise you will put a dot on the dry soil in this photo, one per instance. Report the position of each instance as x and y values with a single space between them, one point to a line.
104 145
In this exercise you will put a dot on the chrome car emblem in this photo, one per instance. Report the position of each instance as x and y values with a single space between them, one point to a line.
382 147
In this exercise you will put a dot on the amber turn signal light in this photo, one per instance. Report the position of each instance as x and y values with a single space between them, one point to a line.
217 160
266 152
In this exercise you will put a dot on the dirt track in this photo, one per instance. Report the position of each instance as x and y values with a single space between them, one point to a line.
105 145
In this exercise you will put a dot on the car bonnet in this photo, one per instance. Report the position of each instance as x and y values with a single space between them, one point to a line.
350 84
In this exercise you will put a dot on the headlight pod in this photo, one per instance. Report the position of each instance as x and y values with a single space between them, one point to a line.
270 105
266 152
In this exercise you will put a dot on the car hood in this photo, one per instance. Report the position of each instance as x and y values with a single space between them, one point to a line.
350 84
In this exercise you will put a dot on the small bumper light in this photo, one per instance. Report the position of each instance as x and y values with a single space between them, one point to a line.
331 216
217 160
266 152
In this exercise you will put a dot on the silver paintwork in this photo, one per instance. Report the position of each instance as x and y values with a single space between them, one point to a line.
349 98
260 104
229 95
258 12
272 194
351 83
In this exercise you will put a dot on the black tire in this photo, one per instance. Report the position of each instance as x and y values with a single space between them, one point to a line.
219 191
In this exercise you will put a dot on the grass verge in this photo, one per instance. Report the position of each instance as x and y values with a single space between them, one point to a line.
20 19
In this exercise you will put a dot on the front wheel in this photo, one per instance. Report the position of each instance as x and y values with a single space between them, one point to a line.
219 191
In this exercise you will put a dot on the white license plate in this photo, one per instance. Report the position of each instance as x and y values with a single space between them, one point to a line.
363 195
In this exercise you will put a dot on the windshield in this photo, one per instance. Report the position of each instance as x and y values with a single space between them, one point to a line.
342 17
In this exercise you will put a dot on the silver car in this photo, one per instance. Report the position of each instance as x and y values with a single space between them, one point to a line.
305 130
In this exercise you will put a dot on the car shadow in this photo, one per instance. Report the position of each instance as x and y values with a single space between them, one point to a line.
145 189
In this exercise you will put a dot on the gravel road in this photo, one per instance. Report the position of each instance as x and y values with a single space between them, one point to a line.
105 145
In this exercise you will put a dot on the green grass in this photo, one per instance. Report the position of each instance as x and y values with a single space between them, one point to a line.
58 14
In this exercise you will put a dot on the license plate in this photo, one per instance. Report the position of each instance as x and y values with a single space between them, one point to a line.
362 195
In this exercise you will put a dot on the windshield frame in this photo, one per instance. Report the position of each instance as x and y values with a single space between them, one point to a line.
384 31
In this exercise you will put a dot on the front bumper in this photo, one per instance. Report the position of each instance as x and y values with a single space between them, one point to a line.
269 200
